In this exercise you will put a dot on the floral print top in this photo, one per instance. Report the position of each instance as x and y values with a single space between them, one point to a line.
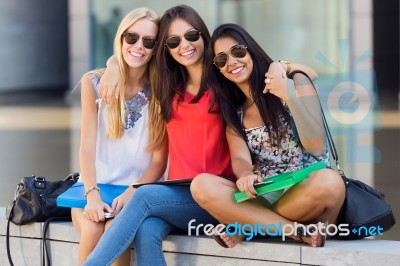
133 107
270 159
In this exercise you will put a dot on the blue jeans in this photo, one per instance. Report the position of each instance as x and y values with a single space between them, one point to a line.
172 204
148 241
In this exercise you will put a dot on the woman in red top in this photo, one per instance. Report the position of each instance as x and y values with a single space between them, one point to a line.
196 136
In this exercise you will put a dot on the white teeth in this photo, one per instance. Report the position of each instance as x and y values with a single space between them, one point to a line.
236 70
188 53
136 54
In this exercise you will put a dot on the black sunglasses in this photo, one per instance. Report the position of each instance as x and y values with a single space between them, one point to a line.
132 38
174 41
237 51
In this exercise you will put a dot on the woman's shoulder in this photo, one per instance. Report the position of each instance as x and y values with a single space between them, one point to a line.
94 76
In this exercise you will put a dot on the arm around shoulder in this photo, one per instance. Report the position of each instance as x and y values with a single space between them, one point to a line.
109 83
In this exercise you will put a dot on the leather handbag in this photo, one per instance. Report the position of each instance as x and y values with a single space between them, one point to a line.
364 207
35 201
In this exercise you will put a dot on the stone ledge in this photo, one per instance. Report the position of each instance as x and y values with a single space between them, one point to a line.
203 250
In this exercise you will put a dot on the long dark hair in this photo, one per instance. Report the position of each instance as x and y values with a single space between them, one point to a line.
168 76
231 97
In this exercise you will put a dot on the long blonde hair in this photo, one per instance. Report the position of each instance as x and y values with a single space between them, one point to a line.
116 110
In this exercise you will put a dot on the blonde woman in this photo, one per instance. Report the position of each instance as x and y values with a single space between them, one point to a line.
115 145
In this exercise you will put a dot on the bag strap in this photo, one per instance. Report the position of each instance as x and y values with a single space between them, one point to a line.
45 250
8 234
331 143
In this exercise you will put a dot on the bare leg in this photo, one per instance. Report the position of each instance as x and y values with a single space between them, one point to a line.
318 198
90 233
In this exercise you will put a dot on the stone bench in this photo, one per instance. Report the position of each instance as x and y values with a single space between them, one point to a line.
202 250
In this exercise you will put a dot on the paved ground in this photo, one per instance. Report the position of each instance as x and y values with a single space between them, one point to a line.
36 138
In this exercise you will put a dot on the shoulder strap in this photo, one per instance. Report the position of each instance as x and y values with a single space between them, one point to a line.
8 234
331 143
45 251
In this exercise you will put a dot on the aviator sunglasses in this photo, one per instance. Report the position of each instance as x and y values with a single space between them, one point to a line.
132 38
237 51
174 41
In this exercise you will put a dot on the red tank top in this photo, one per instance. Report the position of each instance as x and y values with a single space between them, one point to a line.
197 142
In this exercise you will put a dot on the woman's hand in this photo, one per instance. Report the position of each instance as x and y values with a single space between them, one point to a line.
120 201
276 81
109 82
94 209
246 184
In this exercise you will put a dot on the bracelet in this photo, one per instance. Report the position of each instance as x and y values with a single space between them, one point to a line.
288 66
90 190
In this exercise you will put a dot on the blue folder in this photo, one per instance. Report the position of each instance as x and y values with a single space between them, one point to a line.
74 197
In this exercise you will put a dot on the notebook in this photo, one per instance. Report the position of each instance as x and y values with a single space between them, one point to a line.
74 197
281 181
177 182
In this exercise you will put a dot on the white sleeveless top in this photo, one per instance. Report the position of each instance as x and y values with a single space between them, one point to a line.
123 161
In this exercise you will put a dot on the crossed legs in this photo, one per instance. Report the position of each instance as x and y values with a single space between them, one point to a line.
90 233
318 198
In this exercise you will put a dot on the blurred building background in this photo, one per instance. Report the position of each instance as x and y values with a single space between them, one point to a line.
46 46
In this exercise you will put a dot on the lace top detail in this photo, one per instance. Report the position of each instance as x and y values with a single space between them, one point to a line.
271 159
133 107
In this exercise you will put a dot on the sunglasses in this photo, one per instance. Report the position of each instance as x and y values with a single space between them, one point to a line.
174 41
132 38
237 51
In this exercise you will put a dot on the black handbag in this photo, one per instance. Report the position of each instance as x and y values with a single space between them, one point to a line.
364 209
35 201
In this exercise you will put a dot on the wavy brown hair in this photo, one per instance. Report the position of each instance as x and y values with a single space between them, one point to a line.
168 76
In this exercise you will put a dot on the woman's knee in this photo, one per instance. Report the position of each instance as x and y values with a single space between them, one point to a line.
328 184
92 230
203 188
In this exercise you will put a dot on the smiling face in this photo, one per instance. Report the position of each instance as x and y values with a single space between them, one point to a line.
187 53
237 70
136 55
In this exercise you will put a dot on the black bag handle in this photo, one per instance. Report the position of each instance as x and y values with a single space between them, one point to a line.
45 249
8 235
